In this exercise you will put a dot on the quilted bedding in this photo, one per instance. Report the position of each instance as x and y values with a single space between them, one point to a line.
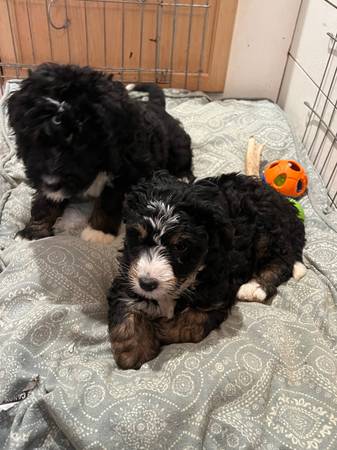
267 379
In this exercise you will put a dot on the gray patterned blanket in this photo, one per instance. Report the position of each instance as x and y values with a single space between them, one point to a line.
267 379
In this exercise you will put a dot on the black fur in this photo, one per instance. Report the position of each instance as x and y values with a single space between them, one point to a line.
72 123
229 230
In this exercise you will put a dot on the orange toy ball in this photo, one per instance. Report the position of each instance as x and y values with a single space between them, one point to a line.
287 177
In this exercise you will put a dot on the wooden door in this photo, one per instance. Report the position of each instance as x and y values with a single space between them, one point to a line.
178 43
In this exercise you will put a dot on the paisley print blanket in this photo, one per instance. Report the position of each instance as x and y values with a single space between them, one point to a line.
267 379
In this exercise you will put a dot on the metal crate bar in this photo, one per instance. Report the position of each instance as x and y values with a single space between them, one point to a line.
173 40
202 45
188 46
316 136
49 33
102 68
12 37
151 3
141 39
168 72
158 38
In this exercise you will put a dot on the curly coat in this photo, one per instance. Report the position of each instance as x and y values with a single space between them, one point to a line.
79 134
190 251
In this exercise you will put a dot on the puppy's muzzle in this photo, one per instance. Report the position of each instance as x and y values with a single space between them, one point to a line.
52 183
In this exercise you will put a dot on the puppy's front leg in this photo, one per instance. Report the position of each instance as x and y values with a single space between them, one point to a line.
191 325
132 336
106 217
44 213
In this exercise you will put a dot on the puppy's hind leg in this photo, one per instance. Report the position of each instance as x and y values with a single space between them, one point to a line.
264 284
191 325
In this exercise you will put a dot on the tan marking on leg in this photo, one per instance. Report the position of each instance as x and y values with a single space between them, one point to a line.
188 326
133 341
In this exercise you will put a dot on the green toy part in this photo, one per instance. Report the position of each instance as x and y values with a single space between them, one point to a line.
299 207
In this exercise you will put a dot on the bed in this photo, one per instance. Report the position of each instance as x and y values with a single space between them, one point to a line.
267 379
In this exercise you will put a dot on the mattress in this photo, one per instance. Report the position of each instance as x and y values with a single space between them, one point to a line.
266 379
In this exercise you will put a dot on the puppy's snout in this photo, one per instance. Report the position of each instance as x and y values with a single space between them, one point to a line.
52 183
148 284
54 187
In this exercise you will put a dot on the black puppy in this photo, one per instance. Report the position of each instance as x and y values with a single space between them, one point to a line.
79 134
190 251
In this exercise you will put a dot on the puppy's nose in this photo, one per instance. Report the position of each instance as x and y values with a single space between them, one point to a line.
148 284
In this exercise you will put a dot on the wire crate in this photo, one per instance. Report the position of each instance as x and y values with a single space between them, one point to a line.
320 134
175 43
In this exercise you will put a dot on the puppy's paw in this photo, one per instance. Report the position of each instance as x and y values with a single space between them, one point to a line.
19 238
34 231
251 292
133 341
134 358
91 235
299 270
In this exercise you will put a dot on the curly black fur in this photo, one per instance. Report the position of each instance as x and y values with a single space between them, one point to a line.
72 124
213 236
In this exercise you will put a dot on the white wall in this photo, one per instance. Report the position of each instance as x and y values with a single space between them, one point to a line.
262 35
307 59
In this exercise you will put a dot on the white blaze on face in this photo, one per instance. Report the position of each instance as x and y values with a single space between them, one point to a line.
164 219
152 263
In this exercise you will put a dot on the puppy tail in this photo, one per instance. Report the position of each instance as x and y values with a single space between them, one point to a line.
156 94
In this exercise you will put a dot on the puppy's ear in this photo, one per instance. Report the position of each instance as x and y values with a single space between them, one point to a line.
45 73
202 200
135 204
203 204
118 89
163 177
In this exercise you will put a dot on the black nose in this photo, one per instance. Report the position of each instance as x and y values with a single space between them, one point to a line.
148 284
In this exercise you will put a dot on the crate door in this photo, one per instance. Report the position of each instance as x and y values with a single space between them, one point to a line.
177 43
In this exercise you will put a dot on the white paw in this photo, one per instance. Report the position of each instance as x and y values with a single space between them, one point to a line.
20 238
299 270
130 87
91 235
251 292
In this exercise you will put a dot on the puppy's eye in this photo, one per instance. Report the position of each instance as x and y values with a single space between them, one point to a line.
136 232
180 246
56 120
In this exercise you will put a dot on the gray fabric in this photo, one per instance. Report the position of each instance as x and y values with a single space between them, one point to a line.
265 380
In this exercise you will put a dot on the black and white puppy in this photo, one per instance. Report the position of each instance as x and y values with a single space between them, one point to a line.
79 134
190 251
